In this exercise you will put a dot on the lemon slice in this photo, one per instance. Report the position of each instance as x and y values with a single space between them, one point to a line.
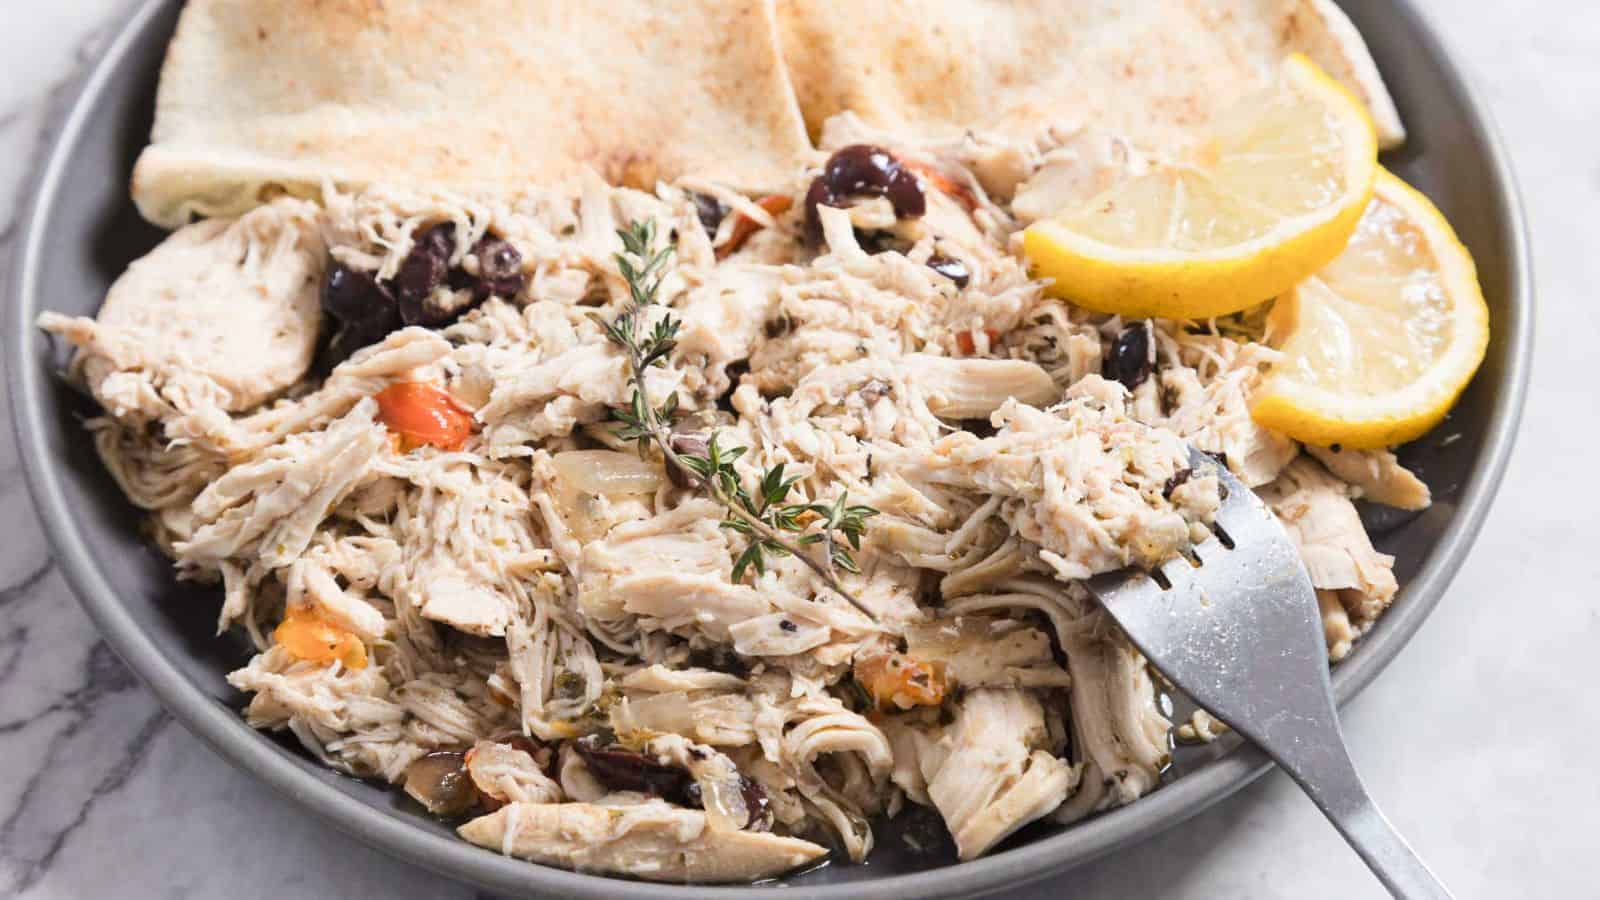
1378 344
1269 198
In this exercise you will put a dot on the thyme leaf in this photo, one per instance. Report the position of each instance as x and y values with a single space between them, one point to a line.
773 526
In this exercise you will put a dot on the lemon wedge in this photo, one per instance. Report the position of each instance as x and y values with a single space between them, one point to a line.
1267 199
1378 345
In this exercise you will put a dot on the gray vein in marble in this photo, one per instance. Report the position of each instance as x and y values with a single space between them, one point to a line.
133 756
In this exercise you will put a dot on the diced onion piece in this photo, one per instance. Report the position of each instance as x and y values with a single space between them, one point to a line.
722 792
440 783
608 472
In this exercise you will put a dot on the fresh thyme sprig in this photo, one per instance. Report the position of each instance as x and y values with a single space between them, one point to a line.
767 519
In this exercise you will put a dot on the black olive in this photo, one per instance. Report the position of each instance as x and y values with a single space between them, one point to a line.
355 334
951 268
499 269
756 800
423 271
1129 361
350 295
863 170
878 241
621 769
711 212
788 626
719 658
685 444
1176 481
817 195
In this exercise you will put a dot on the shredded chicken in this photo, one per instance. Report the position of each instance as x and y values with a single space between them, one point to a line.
553 612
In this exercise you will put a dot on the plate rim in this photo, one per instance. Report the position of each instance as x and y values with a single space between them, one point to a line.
221 728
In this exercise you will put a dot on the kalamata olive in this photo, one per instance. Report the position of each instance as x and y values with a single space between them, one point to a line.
866 170
756 800
350 295
439 308
817 195
951 268
423 271
880 241
357 333
719 658
499 269
1129 360
863 170
685 444
621 769
711 212
439 781
1178 479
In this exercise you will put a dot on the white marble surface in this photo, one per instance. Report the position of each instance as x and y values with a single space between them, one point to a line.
1477 740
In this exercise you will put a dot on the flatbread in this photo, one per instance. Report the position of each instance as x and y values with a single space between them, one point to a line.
1154 71
264 96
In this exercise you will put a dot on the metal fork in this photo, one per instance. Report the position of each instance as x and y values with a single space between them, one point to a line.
1238 629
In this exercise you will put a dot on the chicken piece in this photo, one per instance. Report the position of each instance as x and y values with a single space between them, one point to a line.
650 840
995 774
671 572
322 705
1118 735
915 739
223 314
845 308
723 317
683 546
987 651
508 773
1315 507
1116 729
659 679
1336 629
716 719
1377 474
549 397
272 505
839 760
451 596
1082 481
1215 417
311 583
975 388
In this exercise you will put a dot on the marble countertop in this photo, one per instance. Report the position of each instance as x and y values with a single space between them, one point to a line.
1476 740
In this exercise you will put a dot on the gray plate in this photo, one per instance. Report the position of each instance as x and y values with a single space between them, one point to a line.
81 231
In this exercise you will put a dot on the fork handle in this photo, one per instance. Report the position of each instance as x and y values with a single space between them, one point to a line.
1327 775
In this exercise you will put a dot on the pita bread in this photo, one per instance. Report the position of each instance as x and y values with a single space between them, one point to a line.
1153 71
263 96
